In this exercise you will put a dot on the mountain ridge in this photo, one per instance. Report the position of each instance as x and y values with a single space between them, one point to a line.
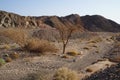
94 23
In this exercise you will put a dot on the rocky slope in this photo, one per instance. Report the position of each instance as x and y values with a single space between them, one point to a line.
14 20
85 23
99 23
111 73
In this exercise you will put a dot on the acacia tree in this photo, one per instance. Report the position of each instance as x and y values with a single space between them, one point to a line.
65 34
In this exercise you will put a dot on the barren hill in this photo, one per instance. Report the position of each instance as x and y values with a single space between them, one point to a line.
14 20
100 24
93 23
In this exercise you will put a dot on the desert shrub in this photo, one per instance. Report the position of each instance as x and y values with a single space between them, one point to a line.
14 55
8 59
18 35
6 46
89 70
86 48
92 42
40 46
65 74
72 53
96 51
2 62
64 56
94 46
4 39
96 40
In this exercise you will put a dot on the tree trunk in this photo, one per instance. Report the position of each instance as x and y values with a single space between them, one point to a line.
64 46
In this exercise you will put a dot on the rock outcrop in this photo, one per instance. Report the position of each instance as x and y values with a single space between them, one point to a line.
111 73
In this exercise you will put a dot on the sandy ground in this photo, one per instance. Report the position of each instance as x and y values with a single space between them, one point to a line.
91 56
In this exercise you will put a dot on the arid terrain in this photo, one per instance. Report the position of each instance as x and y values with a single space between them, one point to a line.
31 48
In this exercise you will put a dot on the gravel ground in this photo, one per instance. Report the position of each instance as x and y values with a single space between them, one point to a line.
47 64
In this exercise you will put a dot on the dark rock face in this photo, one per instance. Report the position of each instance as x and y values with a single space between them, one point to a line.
98 23
112 73
94 23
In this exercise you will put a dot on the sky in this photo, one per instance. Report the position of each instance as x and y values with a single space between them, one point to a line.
107 8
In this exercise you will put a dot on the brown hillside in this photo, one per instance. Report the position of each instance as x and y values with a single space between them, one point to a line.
93 23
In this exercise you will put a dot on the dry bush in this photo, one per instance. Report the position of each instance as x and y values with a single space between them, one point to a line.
96 40
89 70
18 35
65 74
94 46
96 51
14 55
8 59
72 53
40 46
6 46
64 56
86 48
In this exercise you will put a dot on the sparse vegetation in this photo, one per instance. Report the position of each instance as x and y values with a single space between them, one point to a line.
8 59
39 46
94 46
65 34
6 46
18 35
65 56
65 74
14 55
89 70
2 62
96 40
86 48
72 53
96 51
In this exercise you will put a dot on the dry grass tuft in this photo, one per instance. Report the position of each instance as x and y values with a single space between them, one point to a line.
96 40
86 48
40 46
18 35
89 70
72 53
64 56
14 55
8 59
6 46
94 46
96 51
65 74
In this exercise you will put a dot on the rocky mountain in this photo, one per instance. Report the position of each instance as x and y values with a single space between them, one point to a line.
98 23
84 23
15 20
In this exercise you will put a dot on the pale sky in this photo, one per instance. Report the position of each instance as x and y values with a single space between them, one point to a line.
107 8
